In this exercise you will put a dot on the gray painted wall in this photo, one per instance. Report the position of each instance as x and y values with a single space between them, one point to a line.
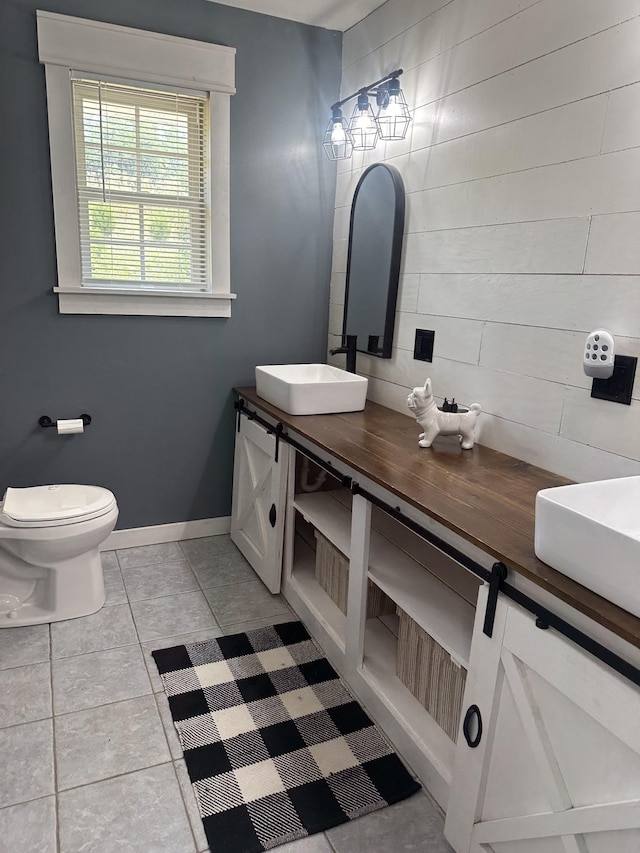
159 389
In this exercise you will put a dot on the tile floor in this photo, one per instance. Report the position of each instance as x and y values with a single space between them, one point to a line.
89 757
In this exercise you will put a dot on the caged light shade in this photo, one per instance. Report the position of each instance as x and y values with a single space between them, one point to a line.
336 141
393 113
363 129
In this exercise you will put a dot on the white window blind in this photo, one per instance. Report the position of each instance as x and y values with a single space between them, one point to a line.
141 171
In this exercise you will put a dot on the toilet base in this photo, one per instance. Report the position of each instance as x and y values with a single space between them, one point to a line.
35 615
67 590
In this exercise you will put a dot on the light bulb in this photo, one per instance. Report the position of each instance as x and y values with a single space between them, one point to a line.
363 121
394 109
338 136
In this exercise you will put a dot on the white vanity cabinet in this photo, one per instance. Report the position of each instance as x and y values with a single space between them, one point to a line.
557 768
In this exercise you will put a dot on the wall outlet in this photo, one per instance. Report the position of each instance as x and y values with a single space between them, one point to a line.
619 387
423 350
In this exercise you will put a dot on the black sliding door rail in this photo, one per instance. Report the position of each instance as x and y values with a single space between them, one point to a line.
496 577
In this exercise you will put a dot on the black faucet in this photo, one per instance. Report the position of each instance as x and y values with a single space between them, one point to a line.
350 349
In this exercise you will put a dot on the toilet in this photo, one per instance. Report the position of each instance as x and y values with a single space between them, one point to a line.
50 566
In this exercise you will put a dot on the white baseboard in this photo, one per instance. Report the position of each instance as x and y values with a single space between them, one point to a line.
160 533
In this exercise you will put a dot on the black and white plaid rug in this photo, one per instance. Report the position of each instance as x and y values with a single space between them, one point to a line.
275 745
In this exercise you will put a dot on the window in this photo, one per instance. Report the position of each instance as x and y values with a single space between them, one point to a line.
140 169
141 181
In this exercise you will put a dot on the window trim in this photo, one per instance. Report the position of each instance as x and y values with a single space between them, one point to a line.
67 44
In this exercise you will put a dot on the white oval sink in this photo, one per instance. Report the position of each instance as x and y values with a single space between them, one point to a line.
311 389
591 533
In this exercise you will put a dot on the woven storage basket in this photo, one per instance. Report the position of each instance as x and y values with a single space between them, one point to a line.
332 573
430 674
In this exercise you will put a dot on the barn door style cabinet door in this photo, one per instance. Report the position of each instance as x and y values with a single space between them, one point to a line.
257 513
548 760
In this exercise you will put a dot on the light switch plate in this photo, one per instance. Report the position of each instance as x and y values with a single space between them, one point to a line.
423 349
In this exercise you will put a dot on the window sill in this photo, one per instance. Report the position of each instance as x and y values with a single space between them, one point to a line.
97 301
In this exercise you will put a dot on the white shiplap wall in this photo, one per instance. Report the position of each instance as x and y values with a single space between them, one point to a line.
522 174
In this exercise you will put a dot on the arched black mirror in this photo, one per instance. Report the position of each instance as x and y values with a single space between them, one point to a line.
373 262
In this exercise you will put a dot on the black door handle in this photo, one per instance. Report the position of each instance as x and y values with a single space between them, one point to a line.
472 711
272 515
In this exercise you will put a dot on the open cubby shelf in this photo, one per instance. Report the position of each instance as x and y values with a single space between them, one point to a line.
379 671
437 608
328 515
303 579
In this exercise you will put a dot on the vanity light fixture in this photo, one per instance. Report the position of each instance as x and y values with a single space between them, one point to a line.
365 128
337 143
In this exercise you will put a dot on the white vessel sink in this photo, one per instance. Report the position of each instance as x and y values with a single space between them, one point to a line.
311 389
591 533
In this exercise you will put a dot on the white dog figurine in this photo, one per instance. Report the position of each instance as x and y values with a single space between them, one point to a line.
434 422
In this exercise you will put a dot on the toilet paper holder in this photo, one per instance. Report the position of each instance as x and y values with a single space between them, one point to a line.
45 421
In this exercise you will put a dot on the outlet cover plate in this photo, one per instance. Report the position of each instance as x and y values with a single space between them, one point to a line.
619 387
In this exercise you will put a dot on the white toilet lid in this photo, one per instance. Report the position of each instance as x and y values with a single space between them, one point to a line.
63 503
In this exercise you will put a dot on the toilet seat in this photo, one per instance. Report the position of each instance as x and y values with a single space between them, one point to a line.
55 505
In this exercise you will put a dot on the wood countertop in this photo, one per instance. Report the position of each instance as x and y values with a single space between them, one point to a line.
484 496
